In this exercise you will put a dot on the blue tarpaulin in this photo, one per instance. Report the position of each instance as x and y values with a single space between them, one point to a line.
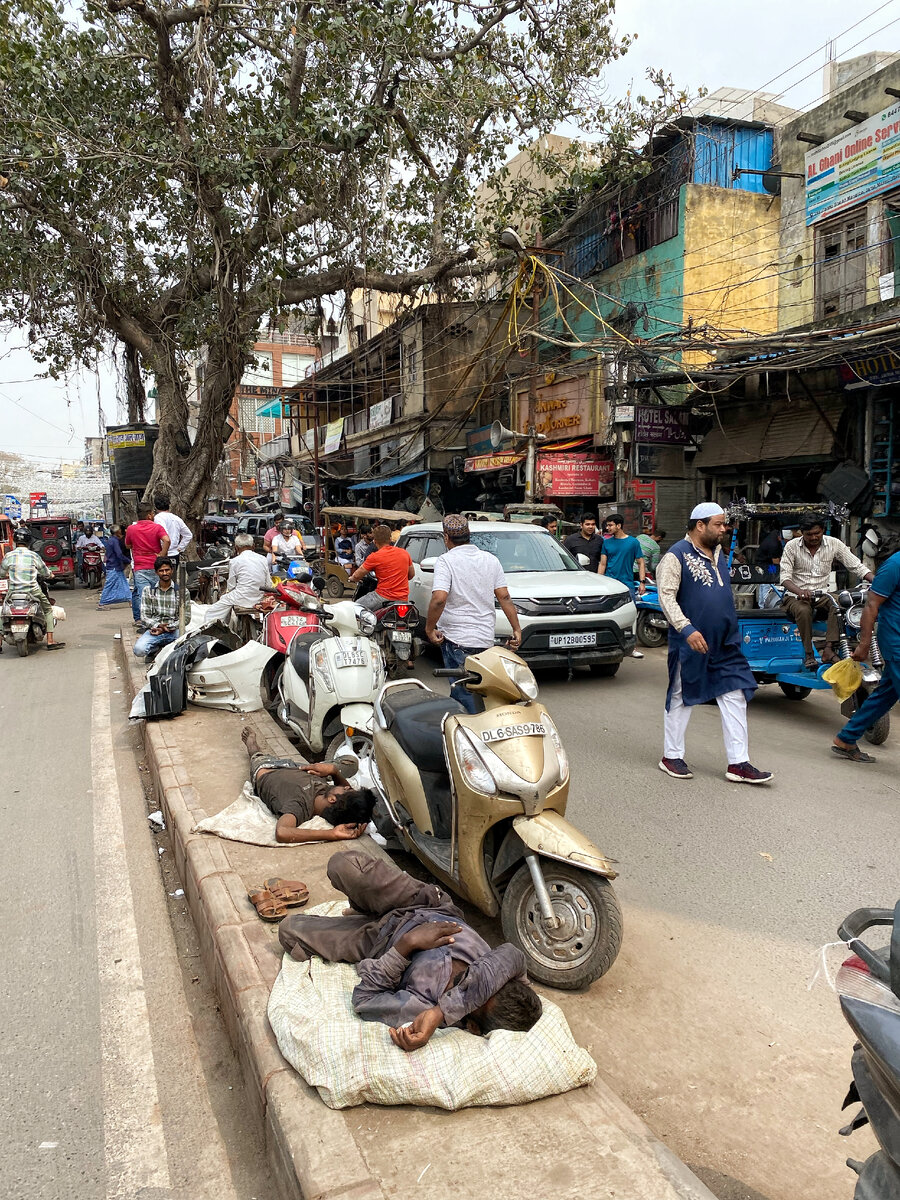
368 484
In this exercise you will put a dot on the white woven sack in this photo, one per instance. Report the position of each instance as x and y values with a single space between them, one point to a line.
59 613
249 820
351 1061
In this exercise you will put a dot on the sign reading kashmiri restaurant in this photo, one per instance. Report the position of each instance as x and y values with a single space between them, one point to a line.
575 475
853 166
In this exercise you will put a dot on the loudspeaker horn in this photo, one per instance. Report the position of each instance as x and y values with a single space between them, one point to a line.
500 434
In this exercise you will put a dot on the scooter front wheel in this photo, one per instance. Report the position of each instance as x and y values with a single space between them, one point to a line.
649 635
586 941
360 743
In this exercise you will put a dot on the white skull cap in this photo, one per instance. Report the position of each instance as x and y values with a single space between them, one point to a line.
704 511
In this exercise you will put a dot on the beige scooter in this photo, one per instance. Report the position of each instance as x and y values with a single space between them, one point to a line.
480 800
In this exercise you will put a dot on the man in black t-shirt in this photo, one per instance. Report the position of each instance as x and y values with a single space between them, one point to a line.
296 792
587 541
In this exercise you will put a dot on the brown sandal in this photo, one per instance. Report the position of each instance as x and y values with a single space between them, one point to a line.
268 907
291 892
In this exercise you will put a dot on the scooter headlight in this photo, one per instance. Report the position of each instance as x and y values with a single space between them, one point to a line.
561 757
854 616
366 621
320 662
472 763
522 677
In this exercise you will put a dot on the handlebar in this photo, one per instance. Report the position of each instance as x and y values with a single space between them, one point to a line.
449 673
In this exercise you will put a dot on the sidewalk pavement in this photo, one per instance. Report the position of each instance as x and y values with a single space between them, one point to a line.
583 1145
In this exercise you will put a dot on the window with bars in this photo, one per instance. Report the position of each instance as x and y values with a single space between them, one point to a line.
250 421
841 265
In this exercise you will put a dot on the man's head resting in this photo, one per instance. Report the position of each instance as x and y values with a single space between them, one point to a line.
353 807
516 1006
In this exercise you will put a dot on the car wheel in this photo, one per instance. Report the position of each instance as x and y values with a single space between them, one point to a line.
793 691
605 670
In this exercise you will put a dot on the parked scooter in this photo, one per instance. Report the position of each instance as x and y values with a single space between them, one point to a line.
327 684
869 988
22 622
92 567
652 628
480 800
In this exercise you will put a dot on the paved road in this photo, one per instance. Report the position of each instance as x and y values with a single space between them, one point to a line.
705 1024
102 1053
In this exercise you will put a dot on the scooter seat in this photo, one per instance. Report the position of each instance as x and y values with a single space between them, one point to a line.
301 644
414 718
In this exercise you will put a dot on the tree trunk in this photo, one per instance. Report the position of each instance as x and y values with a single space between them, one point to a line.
135 395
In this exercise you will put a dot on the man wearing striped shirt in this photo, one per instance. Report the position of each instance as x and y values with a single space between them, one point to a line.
159 612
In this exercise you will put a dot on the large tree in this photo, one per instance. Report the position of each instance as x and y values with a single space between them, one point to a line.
172 173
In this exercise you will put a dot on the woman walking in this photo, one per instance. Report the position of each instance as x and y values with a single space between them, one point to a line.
117 589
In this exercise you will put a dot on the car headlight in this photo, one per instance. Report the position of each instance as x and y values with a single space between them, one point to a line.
621 601
854 616
320 662
367 621
472 763
522 677
561 757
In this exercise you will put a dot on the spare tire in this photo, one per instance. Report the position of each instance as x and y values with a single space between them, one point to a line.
51 551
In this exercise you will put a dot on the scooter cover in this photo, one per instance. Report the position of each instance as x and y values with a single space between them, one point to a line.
165 692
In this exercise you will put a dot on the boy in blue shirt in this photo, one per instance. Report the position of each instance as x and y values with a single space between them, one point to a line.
620 553
883 604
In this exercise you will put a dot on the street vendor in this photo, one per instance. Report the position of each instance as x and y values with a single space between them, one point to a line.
420 966
705 658
296 792
806 565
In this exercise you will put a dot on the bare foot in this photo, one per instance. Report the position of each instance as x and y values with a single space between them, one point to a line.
248 737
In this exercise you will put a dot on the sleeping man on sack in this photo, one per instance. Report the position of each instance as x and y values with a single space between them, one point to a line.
420 966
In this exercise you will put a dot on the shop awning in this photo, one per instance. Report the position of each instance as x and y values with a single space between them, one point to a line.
272 408
492 462
390 481
746 435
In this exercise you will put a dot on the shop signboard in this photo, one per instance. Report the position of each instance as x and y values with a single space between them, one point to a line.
575 475
380 413
661 426
876 369
563 407
862 162
333 432
12 507
493 462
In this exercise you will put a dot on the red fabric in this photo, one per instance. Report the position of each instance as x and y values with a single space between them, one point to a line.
144 539
391 566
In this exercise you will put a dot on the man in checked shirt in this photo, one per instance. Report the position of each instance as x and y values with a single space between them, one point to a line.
159 612
420 966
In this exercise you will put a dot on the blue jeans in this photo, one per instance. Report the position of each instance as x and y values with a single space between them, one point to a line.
455 656
142 580
151 643
882 700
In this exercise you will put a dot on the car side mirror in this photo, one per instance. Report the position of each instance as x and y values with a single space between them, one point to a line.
427 564
583 560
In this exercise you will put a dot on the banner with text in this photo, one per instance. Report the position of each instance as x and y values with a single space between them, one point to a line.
853 166
575 475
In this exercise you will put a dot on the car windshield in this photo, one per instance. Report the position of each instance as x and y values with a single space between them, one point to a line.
519 551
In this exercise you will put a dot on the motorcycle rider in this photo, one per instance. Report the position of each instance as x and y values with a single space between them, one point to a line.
392 568
806 566
287 543
23 568
86 539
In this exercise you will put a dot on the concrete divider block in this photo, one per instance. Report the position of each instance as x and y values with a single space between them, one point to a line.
238 961
224 901
257 1048
310 1148
265 947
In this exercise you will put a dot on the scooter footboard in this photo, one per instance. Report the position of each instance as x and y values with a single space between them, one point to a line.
552 836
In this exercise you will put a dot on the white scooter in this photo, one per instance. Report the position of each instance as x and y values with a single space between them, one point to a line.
327 685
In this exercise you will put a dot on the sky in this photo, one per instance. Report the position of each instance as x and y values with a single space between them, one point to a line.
700 43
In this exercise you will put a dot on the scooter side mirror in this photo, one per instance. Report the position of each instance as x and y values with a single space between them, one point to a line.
317 583
427 564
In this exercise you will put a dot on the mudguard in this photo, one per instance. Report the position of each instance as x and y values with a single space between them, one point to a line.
358 716
552 836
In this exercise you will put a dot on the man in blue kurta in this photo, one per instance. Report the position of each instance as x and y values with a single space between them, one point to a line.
882 604
705 658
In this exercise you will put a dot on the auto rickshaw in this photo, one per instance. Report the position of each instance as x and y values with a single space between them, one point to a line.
337 576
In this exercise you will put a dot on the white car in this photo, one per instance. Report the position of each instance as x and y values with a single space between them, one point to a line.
569 616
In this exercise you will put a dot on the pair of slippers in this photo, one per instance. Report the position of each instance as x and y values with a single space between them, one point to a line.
273 898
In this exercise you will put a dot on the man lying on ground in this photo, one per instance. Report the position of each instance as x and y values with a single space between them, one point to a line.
417 959
296 792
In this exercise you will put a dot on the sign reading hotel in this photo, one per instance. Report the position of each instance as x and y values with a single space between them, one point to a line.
853 166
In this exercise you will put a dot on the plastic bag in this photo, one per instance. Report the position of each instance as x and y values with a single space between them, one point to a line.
845 676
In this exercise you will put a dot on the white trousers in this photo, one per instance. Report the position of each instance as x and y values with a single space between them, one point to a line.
733 710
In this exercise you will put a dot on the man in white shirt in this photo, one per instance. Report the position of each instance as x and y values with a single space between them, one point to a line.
178 533
287 543
806 565
247 576
461 616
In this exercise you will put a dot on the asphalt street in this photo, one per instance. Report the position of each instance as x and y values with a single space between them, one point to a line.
118 1076
705 1024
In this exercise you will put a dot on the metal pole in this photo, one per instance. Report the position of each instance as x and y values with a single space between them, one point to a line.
532 384
181 581
316 497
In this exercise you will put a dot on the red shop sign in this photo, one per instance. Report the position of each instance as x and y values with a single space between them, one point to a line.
575 475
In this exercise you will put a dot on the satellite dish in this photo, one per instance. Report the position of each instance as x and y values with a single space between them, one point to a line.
772 183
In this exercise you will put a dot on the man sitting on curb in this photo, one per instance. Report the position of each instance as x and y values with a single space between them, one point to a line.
159 612
417 959
296 792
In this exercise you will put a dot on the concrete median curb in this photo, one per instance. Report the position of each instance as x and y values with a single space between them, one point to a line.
311 1151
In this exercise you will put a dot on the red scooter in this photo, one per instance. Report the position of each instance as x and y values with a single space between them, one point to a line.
92 567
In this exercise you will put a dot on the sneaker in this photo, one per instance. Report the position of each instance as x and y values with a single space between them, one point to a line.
746 773
676 767
636 654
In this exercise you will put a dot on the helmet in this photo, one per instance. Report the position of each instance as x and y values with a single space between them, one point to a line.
22 537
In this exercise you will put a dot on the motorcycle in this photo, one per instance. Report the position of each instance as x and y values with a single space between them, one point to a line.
392 626
480 801
868 984
22 622
327 683
92 567
284 568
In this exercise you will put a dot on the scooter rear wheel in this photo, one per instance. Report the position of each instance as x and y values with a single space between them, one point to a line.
22 648
878 733
649 635
585 944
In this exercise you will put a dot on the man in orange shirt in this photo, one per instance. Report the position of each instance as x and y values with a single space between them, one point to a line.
392 568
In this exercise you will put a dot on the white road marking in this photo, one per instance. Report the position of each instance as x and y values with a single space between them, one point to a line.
133 1136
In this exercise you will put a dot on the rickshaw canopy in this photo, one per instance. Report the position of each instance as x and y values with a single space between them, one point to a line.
368 514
